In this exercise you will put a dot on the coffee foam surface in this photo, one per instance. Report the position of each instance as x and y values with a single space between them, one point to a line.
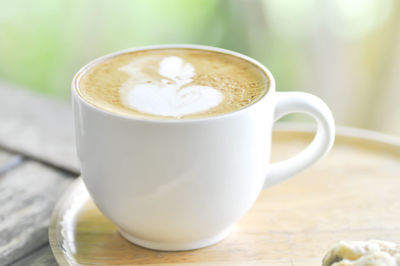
173 83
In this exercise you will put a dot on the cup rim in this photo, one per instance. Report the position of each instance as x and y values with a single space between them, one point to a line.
85 68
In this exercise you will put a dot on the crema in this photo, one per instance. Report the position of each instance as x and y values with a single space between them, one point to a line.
172 83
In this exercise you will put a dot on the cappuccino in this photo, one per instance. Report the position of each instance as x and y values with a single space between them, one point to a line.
172 83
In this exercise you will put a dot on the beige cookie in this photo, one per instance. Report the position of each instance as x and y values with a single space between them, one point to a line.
358 253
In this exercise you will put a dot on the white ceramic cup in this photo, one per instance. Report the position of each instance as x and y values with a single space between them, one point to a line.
182 184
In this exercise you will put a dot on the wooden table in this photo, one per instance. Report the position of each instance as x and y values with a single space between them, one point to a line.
37 163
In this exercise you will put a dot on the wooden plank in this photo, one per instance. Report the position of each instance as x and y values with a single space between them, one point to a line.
27 196
42 256
36 126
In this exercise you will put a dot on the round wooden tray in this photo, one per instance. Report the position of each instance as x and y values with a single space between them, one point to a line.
352 194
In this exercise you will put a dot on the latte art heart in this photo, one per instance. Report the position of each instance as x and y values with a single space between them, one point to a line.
171 101
172 95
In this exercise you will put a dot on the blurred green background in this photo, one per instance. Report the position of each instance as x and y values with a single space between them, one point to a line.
345 51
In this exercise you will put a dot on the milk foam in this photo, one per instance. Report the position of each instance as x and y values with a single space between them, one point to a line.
170 94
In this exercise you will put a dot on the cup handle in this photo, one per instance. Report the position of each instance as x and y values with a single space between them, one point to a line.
300 102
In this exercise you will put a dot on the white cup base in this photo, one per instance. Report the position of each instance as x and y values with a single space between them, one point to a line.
165 246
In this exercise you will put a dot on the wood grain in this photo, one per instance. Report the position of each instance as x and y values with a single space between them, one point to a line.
42 256
27 195
38 127
350 195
